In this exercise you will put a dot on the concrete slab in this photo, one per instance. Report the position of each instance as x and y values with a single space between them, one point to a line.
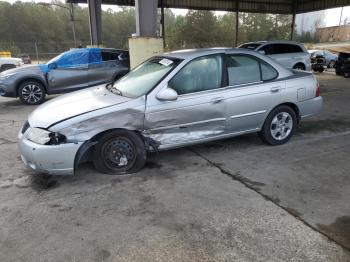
309 176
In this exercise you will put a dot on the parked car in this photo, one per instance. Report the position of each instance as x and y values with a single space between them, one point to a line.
7 63
318 63
330 58
173 100
26 59
70 71
343 64
288 53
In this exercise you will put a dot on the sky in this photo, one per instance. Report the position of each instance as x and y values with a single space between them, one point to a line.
332 16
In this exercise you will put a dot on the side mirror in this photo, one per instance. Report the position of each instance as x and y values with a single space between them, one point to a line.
52 65
167 94
262 52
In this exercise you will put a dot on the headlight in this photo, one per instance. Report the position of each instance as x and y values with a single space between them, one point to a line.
44 137
5 76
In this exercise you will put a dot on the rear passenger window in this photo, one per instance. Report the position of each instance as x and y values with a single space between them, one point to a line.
275 49
109 56
268 72
242 69
293 49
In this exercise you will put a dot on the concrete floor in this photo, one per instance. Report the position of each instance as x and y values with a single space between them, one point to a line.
232 200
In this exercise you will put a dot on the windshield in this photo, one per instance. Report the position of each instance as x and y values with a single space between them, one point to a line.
252 46
143 78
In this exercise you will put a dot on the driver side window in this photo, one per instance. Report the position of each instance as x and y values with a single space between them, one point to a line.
201 74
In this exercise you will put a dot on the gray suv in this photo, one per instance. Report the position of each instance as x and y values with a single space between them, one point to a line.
72 70
291 54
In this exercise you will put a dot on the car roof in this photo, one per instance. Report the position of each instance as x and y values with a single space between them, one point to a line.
189 54
192 53
274 42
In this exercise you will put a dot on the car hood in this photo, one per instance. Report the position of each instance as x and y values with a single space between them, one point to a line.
22 69
73 104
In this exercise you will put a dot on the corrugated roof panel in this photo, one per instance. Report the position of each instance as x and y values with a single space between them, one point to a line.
251 6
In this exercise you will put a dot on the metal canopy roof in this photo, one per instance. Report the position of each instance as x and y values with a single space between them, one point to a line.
250 6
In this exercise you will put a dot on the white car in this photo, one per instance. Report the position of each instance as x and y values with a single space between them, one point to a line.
290 54
9 62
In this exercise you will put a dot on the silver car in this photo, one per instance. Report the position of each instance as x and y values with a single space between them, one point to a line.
174 100
70 71
288 53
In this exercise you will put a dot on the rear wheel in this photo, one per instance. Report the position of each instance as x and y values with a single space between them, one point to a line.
279 126
331 64
31 92
119 152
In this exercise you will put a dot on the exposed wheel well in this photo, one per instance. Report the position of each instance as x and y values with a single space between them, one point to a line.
30 79
299 64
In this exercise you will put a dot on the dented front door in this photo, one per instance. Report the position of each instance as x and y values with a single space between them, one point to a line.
199 111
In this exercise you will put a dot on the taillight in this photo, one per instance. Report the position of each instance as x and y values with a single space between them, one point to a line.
318 91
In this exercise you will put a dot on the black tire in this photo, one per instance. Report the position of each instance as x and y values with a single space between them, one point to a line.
267 129
31 92
346 75
299 67
331 64
321 70
119 152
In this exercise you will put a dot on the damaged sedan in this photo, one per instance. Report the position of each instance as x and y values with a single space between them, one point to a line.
169 101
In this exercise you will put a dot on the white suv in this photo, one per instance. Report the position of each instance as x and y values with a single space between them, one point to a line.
288 53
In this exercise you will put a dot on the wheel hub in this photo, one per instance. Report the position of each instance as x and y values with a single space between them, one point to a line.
119 153
281 126
32 93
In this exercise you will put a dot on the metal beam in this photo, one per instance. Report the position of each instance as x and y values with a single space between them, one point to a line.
162 22
237 23
295 3
95 21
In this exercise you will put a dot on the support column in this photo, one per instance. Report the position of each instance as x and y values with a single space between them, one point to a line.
95 18
146 43
237 23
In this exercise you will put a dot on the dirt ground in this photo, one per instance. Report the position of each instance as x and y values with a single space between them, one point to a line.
231 200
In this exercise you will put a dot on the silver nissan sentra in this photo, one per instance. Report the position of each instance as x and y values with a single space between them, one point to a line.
173 100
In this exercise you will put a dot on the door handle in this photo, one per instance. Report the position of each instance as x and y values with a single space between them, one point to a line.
275 89
217 100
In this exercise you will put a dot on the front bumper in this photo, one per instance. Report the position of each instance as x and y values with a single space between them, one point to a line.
7 89
50 159
310 107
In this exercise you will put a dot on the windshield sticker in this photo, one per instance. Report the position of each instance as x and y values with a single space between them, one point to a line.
166 62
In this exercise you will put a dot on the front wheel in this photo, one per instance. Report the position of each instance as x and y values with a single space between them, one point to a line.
31 93
119 152
279 126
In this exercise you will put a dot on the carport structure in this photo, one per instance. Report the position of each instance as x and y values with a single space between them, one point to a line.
146 10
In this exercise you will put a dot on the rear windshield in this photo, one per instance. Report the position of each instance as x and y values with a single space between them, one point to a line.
252 46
